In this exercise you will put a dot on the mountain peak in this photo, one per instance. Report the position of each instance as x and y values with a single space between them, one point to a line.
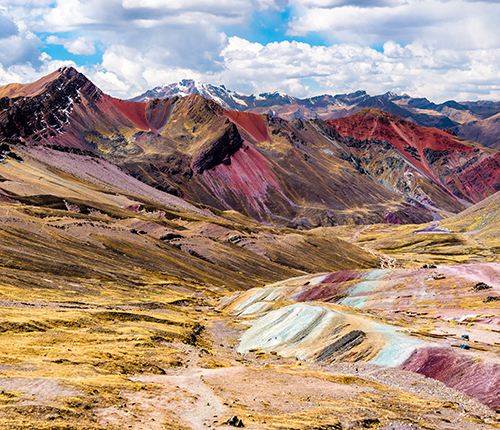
42 108
376 113
187 87
389 95
61 75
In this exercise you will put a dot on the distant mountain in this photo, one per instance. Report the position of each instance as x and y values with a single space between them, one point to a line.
420 111
274 104
484 131
227 99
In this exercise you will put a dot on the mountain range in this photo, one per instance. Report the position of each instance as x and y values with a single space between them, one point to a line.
373 168
475 121
181 263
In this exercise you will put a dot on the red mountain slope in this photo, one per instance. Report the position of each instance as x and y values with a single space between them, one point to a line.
467 170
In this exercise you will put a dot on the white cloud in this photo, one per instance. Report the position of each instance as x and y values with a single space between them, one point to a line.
290 67
7 27
227 7
20 49
339 3
23 73
78 46
416 68
454 24
435 48
110 82
125 15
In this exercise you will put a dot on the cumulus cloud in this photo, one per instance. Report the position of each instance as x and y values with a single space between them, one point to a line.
416 69
435 48
78 46
340 3
26 72
7 27
68 15
20 49
449 23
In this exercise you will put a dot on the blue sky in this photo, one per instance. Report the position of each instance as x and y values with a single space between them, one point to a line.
439 49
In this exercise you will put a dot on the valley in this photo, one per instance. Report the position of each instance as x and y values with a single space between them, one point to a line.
175 264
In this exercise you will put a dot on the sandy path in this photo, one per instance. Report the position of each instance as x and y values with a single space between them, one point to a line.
199 405
355 236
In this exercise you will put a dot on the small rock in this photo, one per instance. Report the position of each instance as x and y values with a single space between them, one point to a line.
235 422
368 422
480 286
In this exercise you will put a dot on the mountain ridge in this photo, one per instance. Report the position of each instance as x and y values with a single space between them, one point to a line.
288 173
421 111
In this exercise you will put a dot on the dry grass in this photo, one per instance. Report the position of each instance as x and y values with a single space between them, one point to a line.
415 249
91 351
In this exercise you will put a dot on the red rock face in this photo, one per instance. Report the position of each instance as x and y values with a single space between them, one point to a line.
478 379
253 124
133 111
245 183
467 171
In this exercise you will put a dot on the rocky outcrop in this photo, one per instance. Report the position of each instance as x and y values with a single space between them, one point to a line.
218 151
45 114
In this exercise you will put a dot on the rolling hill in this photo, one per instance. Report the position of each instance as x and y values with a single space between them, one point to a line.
159 261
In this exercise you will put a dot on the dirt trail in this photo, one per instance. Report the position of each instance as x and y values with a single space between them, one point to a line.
355 236
386 262
201 406
183 400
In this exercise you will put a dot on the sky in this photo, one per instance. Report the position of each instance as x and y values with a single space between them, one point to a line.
439 49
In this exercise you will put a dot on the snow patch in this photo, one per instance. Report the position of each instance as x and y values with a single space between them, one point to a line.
239 101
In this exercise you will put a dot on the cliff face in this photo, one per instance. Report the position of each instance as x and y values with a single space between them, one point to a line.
218 151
